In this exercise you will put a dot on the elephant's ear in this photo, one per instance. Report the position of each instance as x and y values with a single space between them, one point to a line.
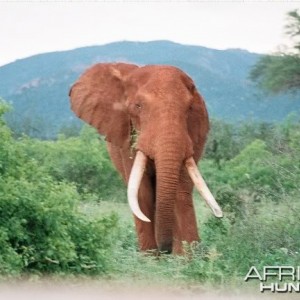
97 98
198 123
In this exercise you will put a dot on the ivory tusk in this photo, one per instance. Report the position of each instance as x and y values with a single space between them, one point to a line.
134 182
202 187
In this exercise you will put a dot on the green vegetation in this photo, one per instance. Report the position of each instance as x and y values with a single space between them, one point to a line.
281 72
82 160
63 210
42 230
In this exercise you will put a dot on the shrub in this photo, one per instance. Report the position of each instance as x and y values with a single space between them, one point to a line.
80 160
43 230
41 227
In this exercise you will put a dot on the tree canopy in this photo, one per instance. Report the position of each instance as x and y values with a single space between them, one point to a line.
281 72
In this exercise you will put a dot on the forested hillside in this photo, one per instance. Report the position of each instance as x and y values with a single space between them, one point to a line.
38 86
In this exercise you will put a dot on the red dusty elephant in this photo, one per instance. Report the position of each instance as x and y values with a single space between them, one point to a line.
156 124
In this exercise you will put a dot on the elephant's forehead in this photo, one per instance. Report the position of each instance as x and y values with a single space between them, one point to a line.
163 72
157 73
151 78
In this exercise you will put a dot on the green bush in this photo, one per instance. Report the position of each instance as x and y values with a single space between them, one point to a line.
41 227
81 160
44 228
269 235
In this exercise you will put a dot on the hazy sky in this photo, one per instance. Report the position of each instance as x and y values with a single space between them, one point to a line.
31 27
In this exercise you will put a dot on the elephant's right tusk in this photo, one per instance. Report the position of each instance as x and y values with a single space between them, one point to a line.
202 187
134 182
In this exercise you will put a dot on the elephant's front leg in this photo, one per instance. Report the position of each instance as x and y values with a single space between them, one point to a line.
145 230
123 162
185 227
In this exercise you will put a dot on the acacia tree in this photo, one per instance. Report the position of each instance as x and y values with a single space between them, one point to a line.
281 72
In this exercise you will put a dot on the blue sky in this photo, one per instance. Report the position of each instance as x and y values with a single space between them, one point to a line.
31 27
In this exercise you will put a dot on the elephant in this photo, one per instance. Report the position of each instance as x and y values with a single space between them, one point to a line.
156 125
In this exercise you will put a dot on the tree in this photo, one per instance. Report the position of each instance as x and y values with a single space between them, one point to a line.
281 72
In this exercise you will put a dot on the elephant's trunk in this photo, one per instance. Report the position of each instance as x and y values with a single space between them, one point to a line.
168 162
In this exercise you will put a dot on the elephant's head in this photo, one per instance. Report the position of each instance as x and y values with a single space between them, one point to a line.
162 105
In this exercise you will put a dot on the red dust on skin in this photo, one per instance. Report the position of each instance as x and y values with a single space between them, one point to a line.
163 105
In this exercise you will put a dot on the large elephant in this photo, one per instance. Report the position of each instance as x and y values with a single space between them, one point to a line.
156 124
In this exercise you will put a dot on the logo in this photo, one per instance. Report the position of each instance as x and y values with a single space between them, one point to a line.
276 279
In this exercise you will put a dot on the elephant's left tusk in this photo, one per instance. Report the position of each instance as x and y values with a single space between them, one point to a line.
134 182
202 187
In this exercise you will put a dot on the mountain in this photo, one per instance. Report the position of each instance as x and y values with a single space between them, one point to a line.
38 86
